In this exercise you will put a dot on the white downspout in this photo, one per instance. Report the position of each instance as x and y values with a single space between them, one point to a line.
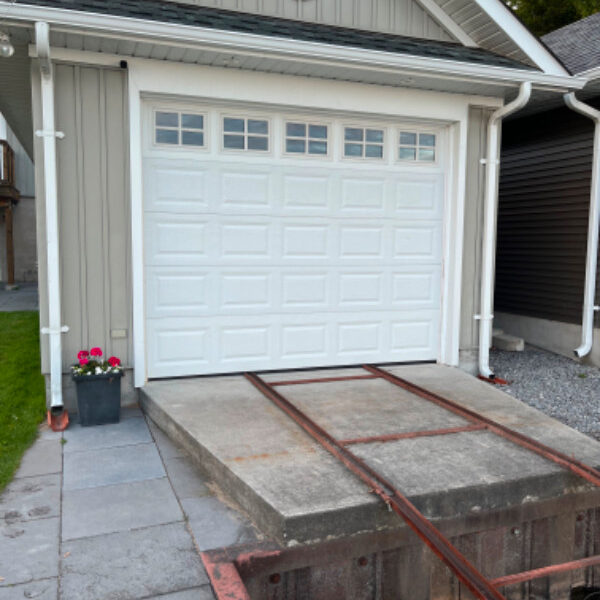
489 227
49 135
589 295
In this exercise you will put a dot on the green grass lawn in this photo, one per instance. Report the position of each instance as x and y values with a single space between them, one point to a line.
22 395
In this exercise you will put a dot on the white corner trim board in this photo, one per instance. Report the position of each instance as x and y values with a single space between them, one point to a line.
49 135
589 297
492 163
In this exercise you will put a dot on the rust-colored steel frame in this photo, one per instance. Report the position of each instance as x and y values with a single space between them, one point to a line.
441 546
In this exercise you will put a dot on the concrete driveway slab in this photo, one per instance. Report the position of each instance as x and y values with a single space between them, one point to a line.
112 508
127 432
42 458
131 565
31 498
109 466
46 589
35 543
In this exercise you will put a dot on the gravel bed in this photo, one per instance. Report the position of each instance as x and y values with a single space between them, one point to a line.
558 386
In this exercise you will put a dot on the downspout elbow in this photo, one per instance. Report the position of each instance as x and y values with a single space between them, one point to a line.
489 226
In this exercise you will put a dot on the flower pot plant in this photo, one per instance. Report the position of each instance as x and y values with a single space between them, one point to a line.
98 384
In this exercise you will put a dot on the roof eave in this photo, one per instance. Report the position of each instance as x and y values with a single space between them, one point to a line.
283 48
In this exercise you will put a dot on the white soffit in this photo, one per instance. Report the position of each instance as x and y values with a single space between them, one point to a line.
491 24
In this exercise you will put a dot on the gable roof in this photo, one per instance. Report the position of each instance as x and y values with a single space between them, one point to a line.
577 44
213 18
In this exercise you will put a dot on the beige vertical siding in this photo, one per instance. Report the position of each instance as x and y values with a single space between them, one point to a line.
403 17
476 149
94 211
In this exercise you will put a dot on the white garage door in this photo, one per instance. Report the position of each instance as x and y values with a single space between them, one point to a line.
289 240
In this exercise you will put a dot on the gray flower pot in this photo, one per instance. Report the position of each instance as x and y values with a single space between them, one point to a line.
98 398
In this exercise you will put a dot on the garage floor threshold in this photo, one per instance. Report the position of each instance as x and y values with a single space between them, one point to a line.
297 492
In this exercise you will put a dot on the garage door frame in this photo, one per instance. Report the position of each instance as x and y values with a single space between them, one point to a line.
147 79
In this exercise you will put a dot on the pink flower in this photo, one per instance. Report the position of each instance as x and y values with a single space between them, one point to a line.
113 361
83 361
82 354
96 352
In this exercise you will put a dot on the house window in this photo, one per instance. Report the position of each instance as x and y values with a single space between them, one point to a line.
240 133
416 146
179 128
360 142
306 138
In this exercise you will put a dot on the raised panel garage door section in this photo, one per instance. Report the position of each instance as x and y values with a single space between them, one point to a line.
273 243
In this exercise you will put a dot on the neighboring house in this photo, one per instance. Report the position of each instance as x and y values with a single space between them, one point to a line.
544 209
23 212
296 184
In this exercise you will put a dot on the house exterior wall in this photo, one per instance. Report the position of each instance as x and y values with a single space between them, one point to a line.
472 251
403 17
95 221
94 217
542 226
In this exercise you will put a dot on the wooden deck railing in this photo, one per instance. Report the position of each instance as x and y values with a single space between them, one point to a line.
7 164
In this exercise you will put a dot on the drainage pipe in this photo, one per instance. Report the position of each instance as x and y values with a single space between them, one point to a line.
589 306
492 163
49 135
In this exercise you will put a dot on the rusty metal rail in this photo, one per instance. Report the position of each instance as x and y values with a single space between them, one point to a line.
225 575
441 546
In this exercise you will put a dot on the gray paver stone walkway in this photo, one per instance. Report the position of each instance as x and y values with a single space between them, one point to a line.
109 512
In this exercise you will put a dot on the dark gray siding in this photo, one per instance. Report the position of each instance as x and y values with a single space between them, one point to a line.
543 215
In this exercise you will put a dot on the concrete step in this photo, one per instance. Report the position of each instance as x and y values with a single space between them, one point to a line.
505 341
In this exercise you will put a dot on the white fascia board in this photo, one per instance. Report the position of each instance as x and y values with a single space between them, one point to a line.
281 48
516 31
442 17
591 75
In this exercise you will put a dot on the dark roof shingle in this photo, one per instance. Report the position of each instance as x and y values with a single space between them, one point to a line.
200 16
578 44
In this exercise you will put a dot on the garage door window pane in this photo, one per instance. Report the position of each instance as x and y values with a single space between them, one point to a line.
368 143
234 142
317 147
352 134
167 119
255 126
295 130
257 143
353 149
416 146
234 125
167 136
179 129
295 146
192 121
192 138
306 138
317 132
372 151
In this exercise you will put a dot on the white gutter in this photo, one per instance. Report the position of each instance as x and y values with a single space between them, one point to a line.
492 163
249 44
49 135
589 295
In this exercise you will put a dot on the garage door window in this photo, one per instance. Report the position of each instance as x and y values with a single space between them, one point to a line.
306 138
179 128
240 133
415 146
360 142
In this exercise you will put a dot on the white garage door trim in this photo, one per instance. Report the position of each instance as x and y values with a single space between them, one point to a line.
152 79
239 329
